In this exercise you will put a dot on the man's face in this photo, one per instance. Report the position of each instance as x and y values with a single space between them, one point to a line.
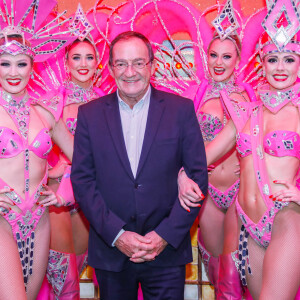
132 82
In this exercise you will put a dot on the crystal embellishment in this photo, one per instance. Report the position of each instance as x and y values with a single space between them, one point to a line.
282 22
81 26
226 23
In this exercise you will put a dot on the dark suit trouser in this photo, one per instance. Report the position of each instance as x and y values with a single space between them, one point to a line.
158 283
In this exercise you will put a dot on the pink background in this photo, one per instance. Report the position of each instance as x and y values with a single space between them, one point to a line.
247 6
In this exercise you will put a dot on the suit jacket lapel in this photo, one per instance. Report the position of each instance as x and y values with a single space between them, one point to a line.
113 119
156 109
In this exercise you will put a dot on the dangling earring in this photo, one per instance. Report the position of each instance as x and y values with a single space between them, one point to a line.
67 71
263 73
235 73
68 77
31 75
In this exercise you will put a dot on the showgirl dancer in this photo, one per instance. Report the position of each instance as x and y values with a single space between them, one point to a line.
214 108
268 199
27 127
69 228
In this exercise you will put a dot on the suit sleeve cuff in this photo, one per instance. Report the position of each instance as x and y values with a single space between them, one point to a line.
118 235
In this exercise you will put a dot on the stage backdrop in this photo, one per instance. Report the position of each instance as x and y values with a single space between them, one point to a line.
70 5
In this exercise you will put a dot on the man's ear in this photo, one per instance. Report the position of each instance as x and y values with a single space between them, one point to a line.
111 71
153 67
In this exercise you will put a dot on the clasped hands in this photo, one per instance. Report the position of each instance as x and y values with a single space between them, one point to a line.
140 248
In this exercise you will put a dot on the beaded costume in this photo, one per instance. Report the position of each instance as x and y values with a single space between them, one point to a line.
227 282
64 269
211 125
25 23
278 143
24 223
74 94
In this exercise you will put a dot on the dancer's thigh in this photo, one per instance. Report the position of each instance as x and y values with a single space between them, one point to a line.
231 230
211 222
41 252
61 238
256 258
281 269
80 227
61 230
11 278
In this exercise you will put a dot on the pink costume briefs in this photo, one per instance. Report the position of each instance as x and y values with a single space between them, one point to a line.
223 200
23 223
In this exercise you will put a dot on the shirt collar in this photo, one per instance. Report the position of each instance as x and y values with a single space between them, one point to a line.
145 99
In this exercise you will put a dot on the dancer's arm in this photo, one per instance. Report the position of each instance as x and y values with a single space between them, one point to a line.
188 194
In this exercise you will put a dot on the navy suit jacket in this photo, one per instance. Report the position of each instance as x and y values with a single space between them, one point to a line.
109 195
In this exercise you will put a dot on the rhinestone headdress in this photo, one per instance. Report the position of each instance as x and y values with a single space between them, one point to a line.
80 25
26 18
226 24
53 72
282 24
82 28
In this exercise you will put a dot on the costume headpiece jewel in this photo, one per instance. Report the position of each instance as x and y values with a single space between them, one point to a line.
26 18
282 23
226 23
80 25
82 28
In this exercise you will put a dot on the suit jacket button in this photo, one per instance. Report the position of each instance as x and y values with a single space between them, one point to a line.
136 186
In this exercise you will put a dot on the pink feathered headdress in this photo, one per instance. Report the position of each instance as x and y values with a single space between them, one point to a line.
26 18
82 25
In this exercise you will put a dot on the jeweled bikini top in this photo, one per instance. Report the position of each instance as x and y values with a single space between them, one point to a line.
211 125
277 143
11 143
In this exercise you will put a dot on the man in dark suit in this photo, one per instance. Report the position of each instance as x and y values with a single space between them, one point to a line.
129 148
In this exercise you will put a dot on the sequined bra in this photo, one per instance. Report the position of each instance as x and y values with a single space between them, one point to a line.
210 125
276 143
11 143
